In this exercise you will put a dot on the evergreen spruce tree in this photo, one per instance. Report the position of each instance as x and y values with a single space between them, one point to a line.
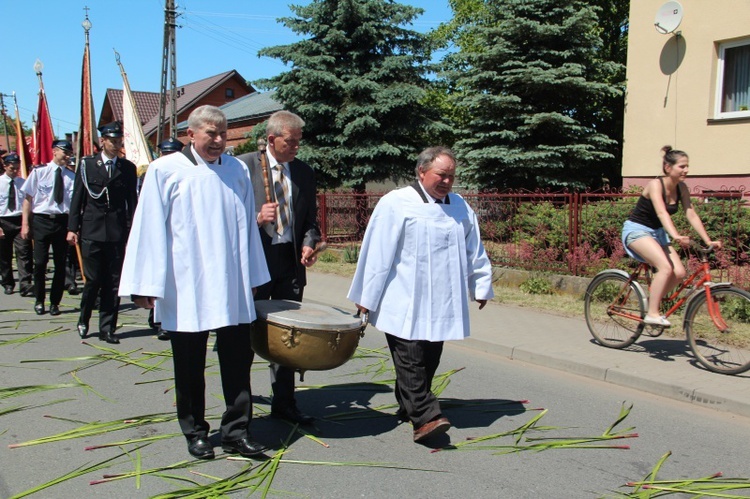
358 81
529 81
609 114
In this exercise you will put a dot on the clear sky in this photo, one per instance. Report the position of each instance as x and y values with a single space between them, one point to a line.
214 37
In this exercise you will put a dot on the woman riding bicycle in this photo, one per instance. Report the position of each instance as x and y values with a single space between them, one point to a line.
646 233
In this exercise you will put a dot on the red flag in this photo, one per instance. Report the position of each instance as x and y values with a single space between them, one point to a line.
87 136
44 136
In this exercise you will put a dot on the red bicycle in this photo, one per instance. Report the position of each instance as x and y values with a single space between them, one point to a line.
716 317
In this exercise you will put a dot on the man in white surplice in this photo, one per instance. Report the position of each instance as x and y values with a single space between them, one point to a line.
195 254
421 262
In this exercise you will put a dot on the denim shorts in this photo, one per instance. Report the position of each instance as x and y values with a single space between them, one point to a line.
632 231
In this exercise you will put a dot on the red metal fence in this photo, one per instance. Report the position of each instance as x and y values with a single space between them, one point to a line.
576 233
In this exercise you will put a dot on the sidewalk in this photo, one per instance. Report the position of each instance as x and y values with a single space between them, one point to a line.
661 366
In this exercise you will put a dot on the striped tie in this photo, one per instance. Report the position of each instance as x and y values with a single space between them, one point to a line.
279 187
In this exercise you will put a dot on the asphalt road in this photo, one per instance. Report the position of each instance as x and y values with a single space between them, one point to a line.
356 448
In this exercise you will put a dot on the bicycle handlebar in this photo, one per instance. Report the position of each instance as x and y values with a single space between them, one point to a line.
704 250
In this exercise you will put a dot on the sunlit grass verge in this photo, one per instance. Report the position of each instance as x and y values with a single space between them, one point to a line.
564 304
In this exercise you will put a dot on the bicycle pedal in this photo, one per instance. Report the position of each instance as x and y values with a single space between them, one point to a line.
654 331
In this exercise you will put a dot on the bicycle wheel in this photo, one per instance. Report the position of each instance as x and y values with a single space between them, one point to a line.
726 350
613 310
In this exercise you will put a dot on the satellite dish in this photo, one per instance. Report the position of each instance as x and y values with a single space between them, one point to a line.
668 17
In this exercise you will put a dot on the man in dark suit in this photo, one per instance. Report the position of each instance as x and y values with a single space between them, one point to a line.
101 211
287 219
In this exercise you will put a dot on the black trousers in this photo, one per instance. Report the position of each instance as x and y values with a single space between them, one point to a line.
416 362
49 231
12 242
235 359
102 266
282 286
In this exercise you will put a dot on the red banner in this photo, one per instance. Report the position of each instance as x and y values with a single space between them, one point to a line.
42 153
87 136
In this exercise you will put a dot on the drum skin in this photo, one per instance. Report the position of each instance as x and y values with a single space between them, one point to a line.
304 347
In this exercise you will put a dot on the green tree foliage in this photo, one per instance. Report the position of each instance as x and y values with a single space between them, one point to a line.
608 115
358 80
531 83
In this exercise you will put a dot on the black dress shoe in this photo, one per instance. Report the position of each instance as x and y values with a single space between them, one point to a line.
83 330
163 335
27 292
244 447
73 290
39 308
8 290
201 448
109 338
292 414
54 310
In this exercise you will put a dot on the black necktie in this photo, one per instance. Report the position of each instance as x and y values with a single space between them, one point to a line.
12 196
108 165
57 192
438 201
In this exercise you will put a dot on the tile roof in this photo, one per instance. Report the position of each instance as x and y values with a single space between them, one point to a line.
147 103
247 107
190 94
251 106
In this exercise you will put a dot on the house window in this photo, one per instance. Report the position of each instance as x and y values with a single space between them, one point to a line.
733 87
229 93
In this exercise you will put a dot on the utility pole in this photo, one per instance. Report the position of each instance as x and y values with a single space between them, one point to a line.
5 121
168 65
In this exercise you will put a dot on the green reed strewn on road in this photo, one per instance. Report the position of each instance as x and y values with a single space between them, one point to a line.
99 428
524 442
18 408
34 336
715 485
78 472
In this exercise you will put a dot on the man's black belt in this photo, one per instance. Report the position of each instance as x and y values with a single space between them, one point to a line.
57 216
